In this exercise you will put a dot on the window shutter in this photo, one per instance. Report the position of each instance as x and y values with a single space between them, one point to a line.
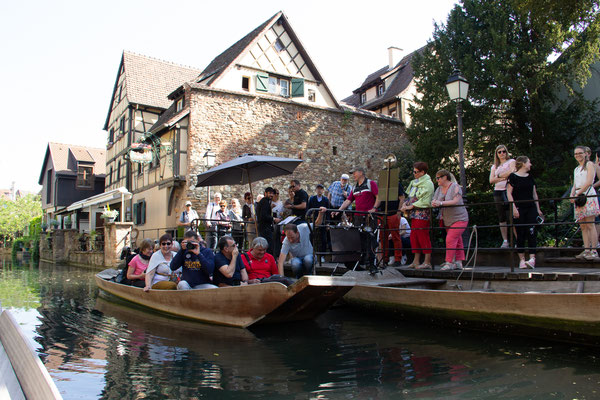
262 82
135 213
297 87
143 212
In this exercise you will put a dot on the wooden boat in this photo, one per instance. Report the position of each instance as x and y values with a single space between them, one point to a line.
240 306
22 374
564 310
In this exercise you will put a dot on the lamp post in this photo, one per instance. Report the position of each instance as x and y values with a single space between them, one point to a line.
458 87
209 161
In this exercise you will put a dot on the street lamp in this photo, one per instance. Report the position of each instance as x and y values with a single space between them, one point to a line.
458 87
209 161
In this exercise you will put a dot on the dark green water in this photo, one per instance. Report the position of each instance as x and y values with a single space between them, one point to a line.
98 348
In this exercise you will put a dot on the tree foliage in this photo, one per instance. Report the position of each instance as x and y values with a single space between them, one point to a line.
517 56
16 215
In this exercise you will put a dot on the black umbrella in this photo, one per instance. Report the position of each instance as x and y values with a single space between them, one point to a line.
246 169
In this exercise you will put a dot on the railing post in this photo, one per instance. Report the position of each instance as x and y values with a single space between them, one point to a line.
511 229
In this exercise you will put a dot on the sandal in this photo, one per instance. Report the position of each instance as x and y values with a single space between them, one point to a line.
412 266
447 266
423 266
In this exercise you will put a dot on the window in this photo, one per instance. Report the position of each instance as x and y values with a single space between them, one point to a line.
380 90
84 176
245 83
111 136
311 95
179 105
279 45
334 150
363 98
285 87
272 84
110 177
139 212
140 168
49 187
119 171
122 126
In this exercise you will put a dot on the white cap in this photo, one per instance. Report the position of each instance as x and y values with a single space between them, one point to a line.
345 176
188 203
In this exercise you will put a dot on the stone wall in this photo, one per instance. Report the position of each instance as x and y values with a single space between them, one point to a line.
232 124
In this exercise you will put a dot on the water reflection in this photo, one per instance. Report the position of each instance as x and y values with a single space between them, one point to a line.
97 347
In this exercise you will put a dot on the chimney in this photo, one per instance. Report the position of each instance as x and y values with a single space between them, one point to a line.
395 55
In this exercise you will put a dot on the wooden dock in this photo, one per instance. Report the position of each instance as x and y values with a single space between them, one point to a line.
22 374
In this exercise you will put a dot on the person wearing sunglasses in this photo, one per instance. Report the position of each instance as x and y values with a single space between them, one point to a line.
158 273
196 261
418 207
586 212
503 166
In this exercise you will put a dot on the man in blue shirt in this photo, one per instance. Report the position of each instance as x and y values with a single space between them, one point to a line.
197 262
229 268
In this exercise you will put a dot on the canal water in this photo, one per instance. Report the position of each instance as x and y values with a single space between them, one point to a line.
99 347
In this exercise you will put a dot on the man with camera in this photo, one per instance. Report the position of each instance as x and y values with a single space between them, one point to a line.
197 262
229 268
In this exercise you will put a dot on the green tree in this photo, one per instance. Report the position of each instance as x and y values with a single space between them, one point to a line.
516 55
16 215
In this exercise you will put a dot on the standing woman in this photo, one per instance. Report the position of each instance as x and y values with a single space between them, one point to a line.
585 214
502 168
521 187
235 216
455 219
418 204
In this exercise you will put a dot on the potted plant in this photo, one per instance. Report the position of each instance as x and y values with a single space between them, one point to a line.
93 236
54 223
109 215
67 222
44 227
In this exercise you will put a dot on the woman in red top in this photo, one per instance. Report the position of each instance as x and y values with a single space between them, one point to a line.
259 264
137 266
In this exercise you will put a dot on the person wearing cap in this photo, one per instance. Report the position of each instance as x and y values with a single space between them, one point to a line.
188 215
364 196
318 201
338 191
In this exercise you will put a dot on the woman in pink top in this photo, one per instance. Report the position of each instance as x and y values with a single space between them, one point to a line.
502 168
137 266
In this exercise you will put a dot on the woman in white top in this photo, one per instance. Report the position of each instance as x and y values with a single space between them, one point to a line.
503 166
159 267
582 184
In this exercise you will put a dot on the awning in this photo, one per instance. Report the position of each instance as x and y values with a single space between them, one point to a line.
119 194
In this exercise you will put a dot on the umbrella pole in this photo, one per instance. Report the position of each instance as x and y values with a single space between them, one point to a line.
252 197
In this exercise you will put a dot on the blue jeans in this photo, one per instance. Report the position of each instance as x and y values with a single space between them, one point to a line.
183 285
302 265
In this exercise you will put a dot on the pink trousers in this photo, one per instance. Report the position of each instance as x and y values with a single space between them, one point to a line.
454 241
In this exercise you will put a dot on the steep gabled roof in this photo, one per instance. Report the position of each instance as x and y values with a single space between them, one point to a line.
149 81
404 77
237 51
59 153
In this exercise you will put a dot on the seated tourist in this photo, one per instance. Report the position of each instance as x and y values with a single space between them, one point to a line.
158 272
260 264
297 243
136 269
229 268
197 262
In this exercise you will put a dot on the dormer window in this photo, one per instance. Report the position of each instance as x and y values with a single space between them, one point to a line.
85 176
179 105
363 98
380 90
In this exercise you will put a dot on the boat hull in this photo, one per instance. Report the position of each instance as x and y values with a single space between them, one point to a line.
240 306
569 316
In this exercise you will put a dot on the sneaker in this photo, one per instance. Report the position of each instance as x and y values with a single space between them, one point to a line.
392 261
591 256
505 245
582 255
458 265
522 264
403 261
530 263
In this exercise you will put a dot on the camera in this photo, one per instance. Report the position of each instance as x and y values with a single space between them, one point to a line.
190 246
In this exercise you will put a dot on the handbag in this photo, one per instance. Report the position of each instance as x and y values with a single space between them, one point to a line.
581 200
